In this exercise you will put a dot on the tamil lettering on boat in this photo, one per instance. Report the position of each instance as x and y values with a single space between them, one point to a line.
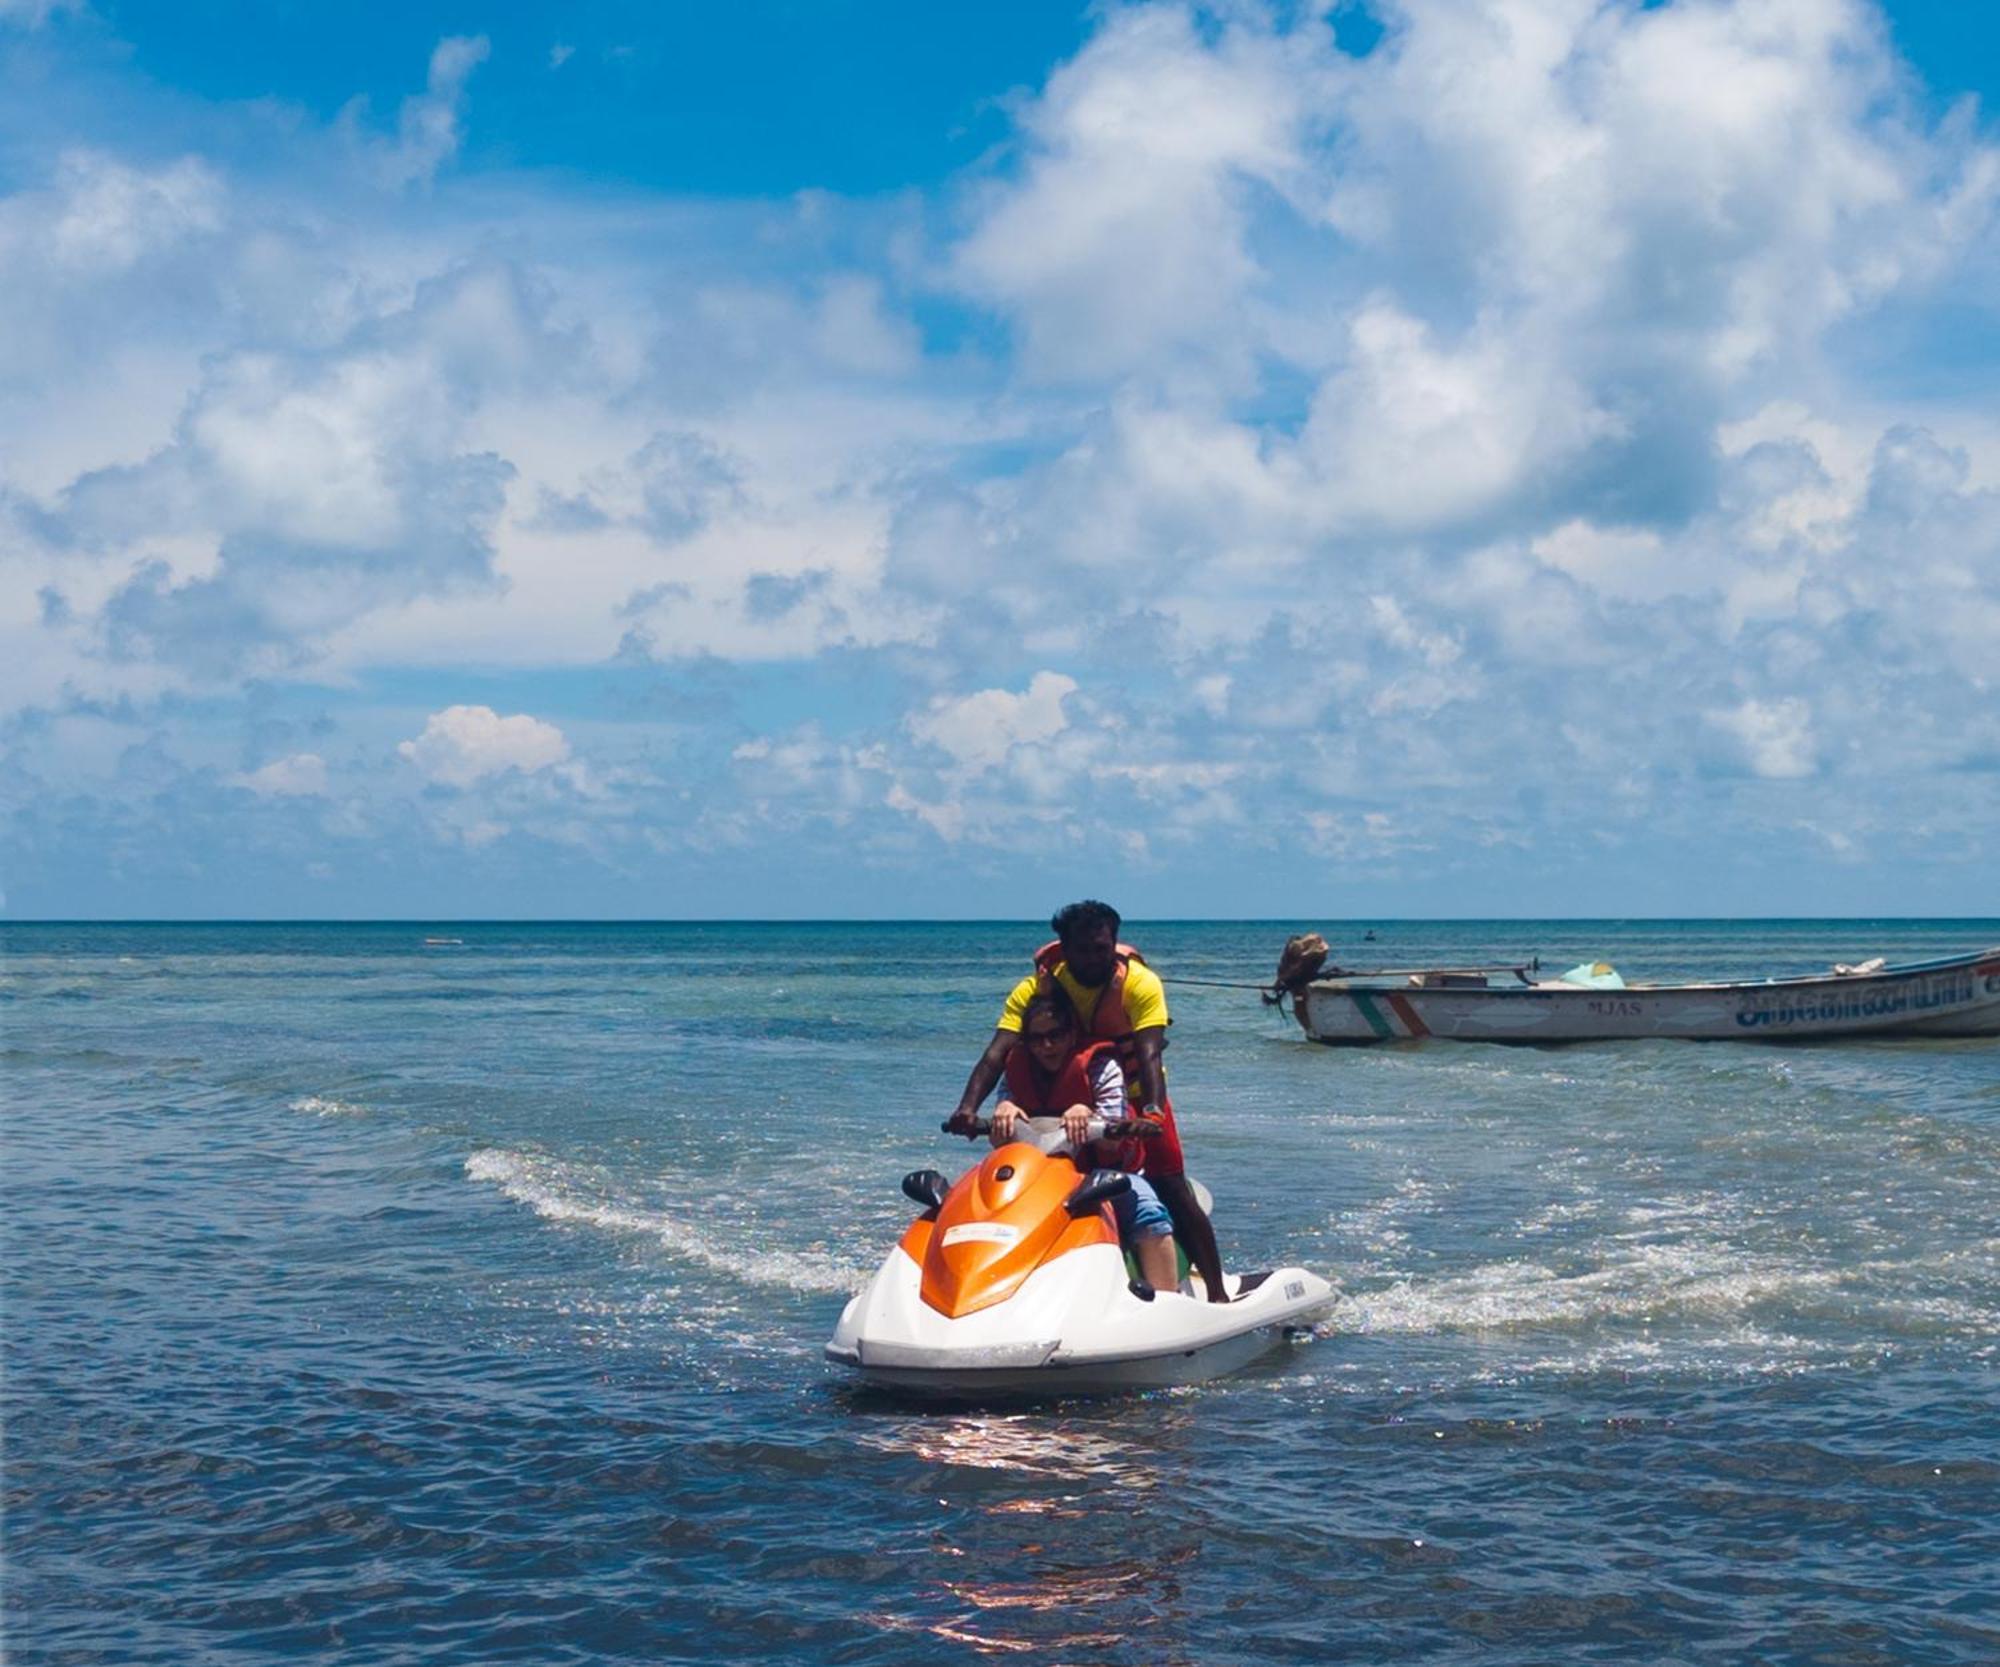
1831 1005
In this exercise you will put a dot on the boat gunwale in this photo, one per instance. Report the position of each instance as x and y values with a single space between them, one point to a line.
1847 980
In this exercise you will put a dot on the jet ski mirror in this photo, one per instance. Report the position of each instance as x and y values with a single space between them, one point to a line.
926 1187
1099 1187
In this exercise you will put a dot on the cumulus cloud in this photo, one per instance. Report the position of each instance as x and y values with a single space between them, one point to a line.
1546 246
1420 455
111 215
1126 233
465 744
1776 735
301 490
301 774
979 731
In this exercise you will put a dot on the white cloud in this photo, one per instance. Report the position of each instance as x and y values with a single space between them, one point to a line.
428 126
1569 233
301 774
1715 180
464 744
857 332
1126 234
301 490
1775 735
1447 446
979 731
112 215
946 818
1625 562
1410 434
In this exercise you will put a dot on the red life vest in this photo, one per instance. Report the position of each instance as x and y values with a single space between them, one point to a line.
1071 1086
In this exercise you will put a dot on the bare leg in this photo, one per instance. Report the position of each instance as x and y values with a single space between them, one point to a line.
1193 1228
1158 1265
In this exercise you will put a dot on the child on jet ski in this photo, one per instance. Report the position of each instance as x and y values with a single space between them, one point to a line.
1118 999
1056 1073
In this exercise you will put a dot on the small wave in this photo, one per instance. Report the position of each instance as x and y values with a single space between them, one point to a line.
323 1105
68 1056
1653 1283
1561 1213
1379 1225
16 989
572 1193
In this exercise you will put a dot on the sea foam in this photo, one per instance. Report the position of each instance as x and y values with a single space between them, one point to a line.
324 1105
575 1194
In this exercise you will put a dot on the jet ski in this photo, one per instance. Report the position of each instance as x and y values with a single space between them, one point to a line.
1012 1282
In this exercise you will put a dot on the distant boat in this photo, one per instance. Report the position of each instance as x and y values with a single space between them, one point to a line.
1957 996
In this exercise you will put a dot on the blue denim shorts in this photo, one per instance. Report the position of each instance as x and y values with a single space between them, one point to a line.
1140 1213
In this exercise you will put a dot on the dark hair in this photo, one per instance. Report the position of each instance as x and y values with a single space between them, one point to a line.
1073 920
1052 999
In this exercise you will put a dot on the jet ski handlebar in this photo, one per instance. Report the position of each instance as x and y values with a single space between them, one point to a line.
1134 1128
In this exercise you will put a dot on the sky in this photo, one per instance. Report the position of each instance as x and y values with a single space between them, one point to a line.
1426 458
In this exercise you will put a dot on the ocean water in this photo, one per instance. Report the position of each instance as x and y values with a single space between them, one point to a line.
374 1302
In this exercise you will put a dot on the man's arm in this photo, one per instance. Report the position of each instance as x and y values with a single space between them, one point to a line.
985 1074
1152 1079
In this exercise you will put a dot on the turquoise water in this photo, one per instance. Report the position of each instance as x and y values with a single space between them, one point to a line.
373 1302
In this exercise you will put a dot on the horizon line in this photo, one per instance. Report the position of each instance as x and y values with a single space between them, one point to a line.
949 920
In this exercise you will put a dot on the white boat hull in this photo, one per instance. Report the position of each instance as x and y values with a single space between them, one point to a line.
1958 997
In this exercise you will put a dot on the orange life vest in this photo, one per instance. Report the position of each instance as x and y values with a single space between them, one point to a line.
1108 1019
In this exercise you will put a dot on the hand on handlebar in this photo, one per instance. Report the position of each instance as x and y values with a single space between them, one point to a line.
1079 1126
1018 1125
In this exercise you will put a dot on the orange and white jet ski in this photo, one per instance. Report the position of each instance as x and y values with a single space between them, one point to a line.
1012 1282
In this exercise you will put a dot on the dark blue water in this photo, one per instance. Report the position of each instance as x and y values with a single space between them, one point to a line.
373 1303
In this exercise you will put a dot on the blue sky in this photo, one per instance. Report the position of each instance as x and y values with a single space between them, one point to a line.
1459 457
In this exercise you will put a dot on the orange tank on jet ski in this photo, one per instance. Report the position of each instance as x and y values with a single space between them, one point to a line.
1012 1281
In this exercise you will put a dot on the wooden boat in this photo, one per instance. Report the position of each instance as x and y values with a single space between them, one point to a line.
1957 996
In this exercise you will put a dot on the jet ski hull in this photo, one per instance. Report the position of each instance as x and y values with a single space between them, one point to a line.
1063 1380
1075 1327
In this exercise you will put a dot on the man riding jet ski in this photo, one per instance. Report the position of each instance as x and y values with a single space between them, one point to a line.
1012 1282
1120 1000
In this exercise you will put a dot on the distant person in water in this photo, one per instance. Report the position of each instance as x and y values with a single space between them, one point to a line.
1117 999
1055 1071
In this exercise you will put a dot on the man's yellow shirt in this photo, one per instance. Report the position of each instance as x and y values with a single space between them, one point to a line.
1145 997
